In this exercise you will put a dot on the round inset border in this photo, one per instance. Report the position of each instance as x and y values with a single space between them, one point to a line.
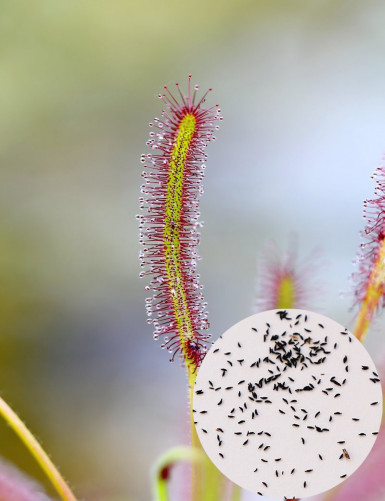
287 403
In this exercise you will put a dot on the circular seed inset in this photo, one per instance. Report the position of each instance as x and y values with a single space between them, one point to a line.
287 403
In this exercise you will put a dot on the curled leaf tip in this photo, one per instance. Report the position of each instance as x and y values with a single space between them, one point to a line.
169 225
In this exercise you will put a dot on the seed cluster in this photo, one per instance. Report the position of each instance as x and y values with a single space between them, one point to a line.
291 399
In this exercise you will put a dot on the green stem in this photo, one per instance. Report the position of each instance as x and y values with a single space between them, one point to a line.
237 493
37 451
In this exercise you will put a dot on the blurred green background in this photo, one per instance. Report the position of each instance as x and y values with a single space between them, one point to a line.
301 88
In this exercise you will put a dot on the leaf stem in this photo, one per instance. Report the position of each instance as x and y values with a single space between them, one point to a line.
37 451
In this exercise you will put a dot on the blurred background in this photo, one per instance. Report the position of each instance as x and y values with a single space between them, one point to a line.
301 88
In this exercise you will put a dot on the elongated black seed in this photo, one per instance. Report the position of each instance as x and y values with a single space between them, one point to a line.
292 471
321 458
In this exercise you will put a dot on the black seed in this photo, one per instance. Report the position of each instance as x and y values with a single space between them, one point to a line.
374 403
221 455
204 431
199 392
265 484
308 471
245 442
319 455
278 459
343 476
303 440
292 471
220 402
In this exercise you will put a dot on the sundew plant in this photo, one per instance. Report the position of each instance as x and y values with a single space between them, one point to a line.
169 234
